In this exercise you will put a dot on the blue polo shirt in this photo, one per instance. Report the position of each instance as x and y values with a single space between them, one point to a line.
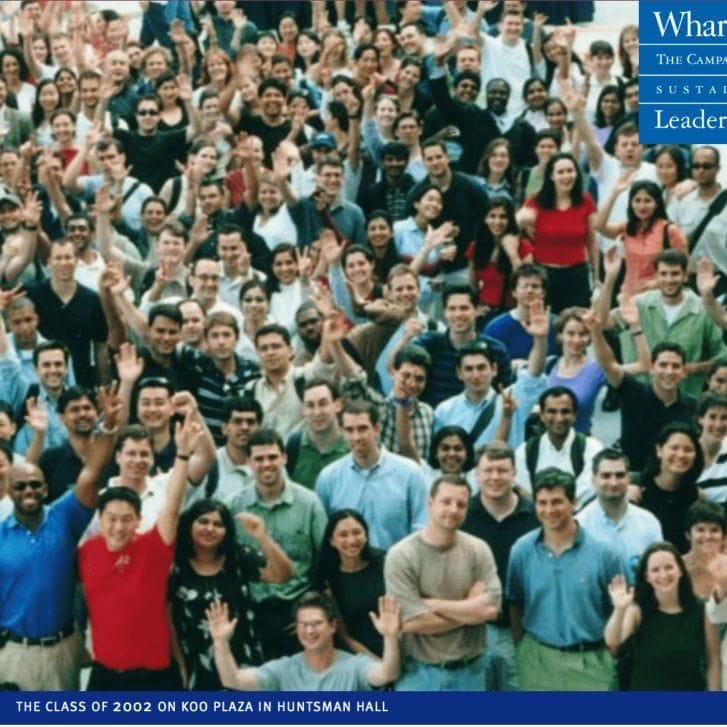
392 495
564 598
38 569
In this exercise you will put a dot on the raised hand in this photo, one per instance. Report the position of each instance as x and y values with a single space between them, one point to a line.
305 264
185 404
218 618
334 328
624 180
32 209
538 323
388 620
8 296
706 277
111 405
129 366
252 524
413 328
185 87
104 202
509 402
331 249
36 415
621 595
628 310
187 435
612 261
323 299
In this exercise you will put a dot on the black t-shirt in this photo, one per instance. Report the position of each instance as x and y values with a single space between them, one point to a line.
78 323
152 158
643 415
271 136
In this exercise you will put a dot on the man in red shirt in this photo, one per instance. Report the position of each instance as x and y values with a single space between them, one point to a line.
125 577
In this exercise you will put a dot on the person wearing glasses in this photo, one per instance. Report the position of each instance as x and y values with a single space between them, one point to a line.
319 666
39 646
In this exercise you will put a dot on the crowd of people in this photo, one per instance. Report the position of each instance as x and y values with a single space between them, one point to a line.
307 312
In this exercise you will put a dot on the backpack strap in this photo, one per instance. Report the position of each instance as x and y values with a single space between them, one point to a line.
292 450
665 240
577 454
483 420
532 447
718 204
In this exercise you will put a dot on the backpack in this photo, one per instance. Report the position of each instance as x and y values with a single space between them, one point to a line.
577 455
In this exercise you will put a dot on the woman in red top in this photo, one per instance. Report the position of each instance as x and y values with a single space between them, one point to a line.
495 253
560 220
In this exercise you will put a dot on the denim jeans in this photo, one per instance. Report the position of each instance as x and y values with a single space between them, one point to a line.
421 677
502 664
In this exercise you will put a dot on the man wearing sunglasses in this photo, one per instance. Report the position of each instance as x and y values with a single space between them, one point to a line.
39 646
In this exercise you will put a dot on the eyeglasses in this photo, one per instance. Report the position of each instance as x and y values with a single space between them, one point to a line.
20 485
77 228
705 166
147 112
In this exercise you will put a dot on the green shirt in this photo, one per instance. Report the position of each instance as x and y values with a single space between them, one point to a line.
311 461
296 521
692 329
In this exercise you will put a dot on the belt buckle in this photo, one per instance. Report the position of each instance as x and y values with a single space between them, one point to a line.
49 640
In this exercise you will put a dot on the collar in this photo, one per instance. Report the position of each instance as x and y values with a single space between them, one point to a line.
567 444
13 522
577 541
380 461
250 496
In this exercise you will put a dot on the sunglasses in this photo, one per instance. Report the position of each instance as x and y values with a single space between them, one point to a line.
706 166
20 485
147 112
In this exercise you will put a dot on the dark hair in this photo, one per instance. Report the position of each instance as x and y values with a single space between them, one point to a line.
270 329
557 391
329 560
165 310
361 406
5 447
23 70
37 112
124 494
530 82
600 119
356 250
530 270
672 256
50 346
425 189
553 134
452 430
717 364
644 593
670 347
185 547
601 48
394 149
457 480
495 450
160 201
652 189
164 77
676 154
314 599
73 393
263 438
710 400
283 248
628 128
337 110
137 432
271 82
255 284
610 454
315 383
156 382
459 289
467 75
427 143
688 480
546 198
708 147
704 511
233 404
475 348
412 354
412 114
552 477
485 242
359 50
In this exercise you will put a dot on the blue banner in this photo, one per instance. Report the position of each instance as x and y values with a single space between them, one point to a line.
682 72
359 708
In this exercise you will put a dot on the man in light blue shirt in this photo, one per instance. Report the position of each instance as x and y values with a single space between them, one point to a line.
388 490
611 518
557 589
479 408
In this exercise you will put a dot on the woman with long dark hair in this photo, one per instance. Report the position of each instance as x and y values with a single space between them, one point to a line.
560 220
671 168
353 573
673 646
495 253
646 231
451 453
609 112
669 481
380 240
497 170
210 565
47 100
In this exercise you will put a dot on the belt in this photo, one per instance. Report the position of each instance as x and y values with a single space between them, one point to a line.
580 647
6 635
454 664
